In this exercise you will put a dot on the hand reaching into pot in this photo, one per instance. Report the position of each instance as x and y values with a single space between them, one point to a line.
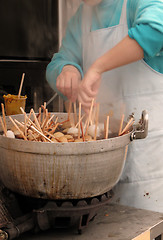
68 82
88 88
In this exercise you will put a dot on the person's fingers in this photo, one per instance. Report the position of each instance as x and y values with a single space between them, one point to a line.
75 87
88 90
86 109
68 83
58 81
84 97
62 85
68 87
85 100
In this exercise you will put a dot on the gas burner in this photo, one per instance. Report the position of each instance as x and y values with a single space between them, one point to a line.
66 213
23 214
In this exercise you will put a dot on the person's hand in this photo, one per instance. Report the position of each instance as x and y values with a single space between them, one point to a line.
88 88
68 82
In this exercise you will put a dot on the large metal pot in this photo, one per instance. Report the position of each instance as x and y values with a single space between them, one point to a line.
64 170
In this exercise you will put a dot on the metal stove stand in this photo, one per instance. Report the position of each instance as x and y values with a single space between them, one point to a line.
61 219
19 214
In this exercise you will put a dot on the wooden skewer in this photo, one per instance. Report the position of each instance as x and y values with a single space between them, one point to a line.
39 117
50 119
70 116
22 110
85 125
44 111
56 120
25 125
89 117
46 121
3 127
4 116
75 112
42 106
35 129
121 124
107 127
93 120
18 128
82 131
129 124
69 109
96 122
20 124
62 121
36 120
48 133
126 150
91 109
79 120
53 131
45 116
28 119
71 119
21 84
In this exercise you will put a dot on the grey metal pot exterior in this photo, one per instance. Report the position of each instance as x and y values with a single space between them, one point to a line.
61 170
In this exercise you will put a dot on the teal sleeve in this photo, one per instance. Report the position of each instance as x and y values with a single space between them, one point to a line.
146 25
150 39
70 52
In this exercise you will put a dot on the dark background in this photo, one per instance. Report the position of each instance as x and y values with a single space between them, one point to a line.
28 40
29 29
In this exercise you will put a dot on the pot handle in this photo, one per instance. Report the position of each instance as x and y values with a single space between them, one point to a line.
141 128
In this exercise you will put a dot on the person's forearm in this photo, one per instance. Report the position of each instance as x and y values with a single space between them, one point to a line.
125 52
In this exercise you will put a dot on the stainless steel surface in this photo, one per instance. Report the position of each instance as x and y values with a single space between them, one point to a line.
113 222
61 170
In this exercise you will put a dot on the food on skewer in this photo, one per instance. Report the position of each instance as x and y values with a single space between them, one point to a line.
10 134
62 139
79 140
69 137
91 131
58 135
45 127
73 131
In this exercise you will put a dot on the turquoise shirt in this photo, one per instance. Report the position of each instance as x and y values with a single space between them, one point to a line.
145 25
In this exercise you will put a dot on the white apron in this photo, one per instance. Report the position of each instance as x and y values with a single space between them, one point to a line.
137 87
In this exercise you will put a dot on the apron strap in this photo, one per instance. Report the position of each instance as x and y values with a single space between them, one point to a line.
123 19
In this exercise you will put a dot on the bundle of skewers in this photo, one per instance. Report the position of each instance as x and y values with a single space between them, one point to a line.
46 127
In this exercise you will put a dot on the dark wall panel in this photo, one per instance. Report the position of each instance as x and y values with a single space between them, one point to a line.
29 29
